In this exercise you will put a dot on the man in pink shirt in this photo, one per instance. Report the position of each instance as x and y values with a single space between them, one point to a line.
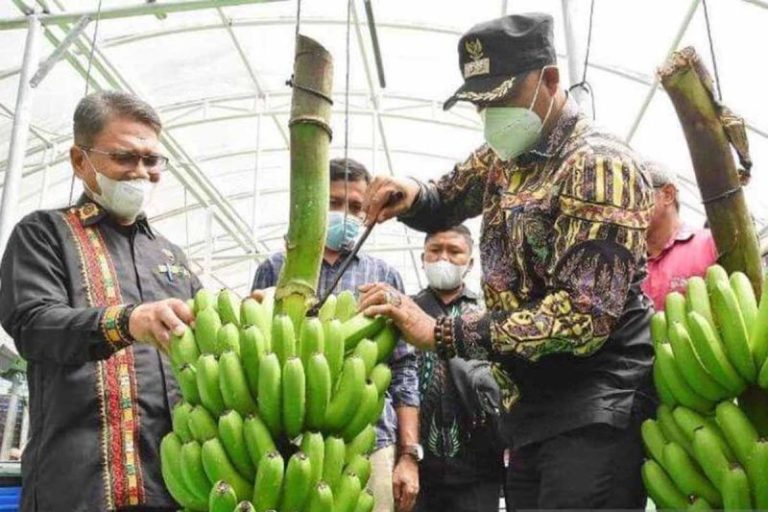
676 251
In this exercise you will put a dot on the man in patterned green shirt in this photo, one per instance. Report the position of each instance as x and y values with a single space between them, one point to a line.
565 207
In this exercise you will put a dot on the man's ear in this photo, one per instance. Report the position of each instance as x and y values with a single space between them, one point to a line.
670 193
422 260
551 79
77 158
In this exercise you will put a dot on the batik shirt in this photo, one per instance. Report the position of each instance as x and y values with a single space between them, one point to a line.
563 256
404 389
99 404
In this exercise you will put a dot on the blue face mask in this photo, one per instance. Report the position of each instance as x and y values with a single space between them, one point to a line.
339 235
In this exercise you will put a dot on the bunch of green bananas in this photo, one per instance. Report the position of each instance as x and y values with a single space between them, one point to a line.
708 446
275 417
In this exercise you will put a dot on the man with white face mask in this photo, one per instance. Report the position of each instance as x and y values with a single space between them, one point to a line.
462 468
565 208
90 295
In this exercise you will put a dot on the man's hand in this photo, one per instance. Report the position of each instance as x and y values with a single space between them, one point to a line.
388 197
154 322
405 483
417 327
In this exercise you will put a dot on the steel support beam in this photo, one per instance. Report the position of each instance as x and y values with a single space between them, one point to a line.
652 89
574 49
20 132
153 8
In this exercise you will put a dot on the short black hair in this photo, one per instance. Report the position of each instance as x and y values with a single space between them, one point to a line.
353 170
459 229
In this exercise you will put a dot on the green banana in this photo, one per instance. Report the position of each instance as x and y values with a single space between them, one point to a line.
660 488
184 349
270 395
698 504
757 472
346 305
653 439
228 338
207 325
712 425
269 481
187 380
360 465
386 340
283 338
362 444
311 339
659 328
733 330
222 498
662 388
204 299
676 383
688 420
736 493
710 456
218 467
737 429
294 397
334 348
381 375
671 430
180 421
697 299
321 499
333 460
229 307
318 390
762 379
208 384
368 351
693 372
365 414
745 296
359 327
170 467
710 351
253 347
716 274
347 395
313 445
246 506
252 313
328 309
675 308
758 339
202 426
234 385
192 472
232 437
191 304
687 476
296 484
365 501
258 439
346 495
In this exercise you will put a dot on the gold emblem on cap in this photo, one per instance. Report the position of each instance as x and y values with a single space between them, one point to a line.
474 49
479 65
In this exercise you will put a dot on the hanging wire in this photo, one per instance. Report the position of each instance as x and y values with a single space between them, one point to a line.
298 19
712 51
583 84
87 82
346 113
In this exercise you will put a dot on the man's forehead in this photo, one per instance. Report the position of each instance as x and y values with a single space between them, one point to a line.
127 132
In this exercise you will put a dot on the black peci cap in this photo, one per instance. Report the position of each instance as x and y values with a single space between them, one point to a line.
493 53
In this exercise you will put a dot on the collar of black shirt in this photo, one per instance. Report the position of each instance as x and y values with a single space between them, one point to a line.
93 213
466 294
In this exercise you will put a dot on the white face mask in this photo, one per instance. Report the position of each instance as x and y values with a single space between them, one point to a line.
125 199
511 131
444 275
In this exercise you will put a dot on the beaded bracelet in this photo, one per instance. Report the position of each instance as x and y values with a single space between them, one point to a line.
444 342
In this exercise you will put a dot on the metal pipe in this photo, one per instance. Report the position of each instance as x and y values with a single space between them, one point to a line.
574 51
139 9
58 52
652 89
20 132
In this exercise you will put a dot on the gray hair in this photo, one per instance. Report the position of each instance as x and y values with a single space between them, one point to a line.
660 174
95 110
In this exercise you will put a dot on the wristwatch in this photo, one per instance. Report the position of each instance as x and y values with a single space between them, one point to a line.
414 450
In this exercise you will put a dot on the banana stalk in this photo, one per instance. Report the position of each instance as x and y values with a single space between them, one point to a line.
310 140
710 130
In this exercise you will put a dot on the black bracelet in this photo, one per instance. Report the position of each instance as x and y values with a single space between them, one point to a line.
123 322
444 342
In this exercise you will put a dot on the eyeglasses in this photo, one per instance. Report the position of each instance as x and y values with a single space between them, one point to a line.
129 160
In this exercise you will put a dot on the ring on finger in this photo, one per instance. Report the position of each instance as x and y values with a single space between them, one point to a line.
393 298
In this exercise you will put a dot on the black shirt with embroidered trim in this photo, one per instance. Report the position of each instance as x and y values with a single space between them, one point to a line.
44 308
455 451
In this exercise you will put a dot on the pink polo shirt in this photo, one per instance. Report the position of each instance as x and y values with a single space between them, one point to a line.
689 253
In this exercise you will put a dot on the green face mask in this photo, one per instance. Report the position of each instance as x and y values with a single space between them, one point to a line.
511 131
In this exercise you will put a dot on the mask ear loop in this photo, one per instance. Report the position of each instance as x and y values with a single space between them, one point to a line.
551 103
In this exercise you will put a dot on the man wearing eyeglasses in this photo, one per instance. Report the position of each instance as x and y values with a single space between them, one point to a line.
91 295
